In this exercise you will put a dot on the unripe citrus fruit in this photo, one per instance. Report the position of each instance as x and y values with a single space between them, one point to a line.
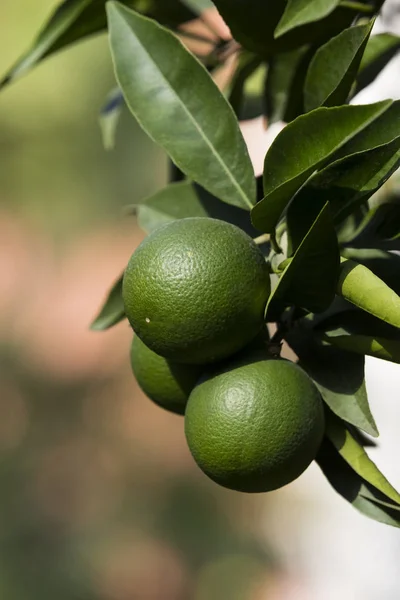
195 290
167 384
255 424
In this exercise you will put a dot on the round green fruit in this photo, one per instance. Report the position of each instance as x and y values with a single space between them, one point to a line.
255 424
167 384
195 290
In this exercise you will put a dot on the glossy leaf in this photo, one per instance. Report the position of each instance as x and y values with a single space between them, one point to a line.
176 201
109 117
380 50
339 376
157 76
300 12
352 180
334 68
360 286
310 279
355 455
304 146
113 310
381 131
363 496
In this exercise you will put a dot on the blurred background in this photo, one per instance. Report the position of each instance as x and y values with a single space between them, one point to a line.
99 497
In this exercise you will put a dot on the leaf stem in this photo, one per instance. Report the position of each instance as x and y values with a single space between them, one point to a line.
262 239
274 243
358 6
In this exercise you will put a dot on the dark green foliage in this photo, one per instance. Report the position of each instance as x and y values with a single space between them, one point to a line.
327 237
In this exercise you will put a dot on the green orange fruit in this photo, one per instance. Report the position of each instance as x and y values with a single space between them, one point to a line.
195 290
254 424
167 384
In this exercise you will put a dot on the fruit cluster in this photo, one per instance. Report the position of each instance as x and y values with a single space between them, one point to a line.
195 293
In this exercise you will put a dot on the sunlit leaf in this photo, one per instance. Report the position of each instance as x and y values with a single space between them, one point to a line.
334 68
304 146
157 76
300 12
355 455
363 496
360 286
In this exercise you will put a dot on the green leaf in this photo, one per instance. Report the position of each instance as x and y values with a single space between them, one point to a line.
385 265
357 331
339 376
360 286
334 68
350 181
175 201
381 48
354 489
253 23
363 344
300 12
284 84
379 132
310 279
355 455
113 310
248 64
157 76
304 146
74 20
198 6
60 25
109 117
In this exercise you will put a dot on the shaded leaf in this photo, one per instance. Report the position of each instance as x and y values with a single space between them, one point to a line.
247 65
253 23
113 310
198 6
360 286
300 12
334 68
339 376
284 84
157 76
109 117
175 201
353 488
381 48
355 455
303 146
379 229
310 279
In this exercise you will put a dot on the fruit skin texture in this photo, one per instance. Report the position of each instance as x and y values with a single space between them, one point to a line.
195 290
165 383
255 424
